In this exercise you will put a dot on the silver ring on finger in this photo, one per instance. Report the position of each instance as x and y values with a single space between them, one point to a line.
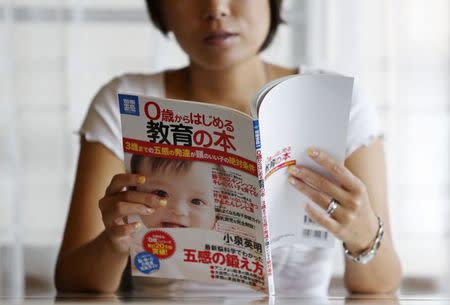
332 206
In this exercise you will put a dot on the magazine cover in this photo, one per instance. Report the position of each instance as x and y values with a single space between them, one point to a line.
221 178
200 160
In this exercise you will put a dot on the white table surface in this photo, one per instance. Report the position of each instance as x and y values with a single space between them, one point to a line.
277 300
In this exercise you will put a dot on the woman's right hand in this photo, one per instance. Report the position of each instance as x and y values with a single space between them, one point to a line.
118 203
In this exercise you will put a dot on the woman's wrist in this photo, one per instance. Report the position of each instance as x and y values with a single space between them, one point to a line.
111 247
94 266
366 255
366 241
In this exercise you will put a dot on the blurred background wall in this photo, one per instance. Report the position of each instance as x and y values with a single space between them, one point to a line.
55 54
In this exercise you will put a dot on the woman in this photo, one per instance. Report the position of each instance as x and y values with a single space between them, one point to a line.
223 39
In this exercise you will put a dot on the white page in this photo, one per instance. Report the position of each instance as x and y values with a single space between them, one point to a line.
302 111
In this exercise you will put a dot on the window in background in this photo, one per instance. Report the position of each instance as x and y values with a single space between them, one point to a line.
57 54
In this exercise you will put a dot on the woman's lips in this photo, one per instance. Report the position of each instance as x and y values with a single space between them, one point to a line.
220 38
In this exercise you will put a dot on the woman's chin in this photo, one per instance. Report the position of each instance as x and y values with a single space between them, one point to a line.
221 60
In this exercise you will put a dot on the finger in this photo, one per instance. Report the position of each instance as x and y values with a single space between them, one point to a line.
117 232
323 220
121 181
128 203
150 200
337 170
319 198
125 209
319 183
109 203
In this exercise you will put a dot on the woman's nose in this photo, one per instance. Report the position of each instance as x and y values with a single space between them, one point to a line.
217 9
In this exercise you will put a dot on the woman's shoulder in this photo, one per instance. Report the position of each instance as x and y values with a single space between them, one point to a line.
136 83
127 83
277 71
102 121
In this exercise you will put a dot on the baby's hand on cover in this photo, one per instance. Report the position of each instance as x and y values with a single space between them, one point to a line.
118 203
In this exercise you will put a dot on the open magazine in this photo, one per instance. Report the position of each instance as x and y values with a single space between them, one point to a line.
221 176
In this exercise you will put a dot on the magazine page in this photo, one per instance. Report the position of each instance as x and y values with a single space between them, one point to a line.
294 114
200 160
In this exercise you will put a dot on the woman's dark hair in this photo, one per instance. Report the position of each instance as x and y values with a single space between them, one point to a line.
155 13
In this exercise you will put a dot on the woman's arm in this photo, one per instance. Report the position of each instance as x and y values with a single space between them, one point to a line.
383 273
87 260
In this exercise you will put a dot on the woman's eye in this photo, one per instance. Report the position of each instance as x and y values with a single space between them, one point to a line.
160 193
197 201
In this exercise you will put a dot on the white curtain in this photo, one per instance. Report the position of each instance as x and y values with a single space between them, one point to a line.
55 54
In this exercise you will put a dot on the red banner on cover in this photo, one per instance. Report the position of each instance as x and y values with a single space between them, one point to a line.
150 149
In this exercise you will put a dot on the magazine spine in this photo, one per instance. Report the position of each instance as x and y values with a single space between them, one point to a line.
267 247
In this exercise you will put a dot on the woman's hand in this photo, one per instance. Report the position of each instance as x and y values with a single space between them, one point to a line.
118 203
354 221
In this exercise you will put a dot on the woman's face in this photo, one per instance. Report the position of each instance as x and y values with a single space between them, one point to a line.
218 33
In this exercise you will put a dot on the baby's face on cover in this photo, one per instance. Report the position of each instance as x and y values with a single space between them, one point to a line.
189 196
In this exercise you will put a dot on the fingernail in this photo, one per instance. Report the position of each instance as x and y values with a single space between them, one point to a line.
141 180
137 225
148 211
292 180
312 152
162 202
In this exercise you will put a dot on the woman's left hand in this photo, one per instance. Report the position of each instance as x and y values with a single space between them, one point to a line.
354 221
